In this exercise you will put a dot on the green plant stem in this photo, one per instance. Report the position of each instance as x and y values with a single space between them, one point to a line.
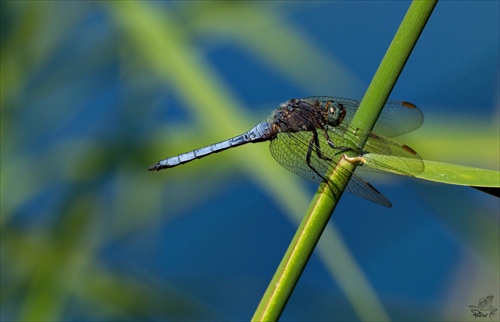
293 263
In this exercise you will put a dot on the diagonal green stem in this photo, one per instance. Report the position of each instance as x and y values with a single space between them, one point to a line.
293 263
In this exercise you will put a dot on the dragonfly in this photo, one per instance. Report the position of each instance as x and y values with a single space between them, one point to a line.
309 136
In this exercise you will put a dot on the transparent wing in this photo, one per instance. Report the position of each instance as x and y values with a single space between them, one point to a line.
295 152
383 154
291 149
380 153
396 118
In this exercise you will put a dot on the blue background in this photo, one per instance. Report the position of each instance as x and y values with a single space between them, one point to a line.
93 93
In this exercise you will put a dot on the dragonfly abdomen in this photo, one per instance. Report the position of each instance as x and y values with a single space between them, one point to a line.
198 153
261 132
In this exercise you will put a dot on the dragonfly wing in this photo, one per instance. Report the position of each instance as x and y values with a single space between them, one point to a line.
365 190
389 156
380 153
396 118
291 149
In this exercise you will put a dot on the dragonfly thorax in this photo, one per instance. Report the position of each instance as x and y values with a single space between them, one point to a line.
299 115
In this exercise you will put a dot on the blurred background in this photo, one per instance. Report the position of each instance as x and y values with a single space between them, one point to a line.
93 93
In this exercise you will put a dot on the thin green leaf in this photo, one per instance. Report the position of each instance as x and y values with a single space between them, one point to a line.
443 172
459 175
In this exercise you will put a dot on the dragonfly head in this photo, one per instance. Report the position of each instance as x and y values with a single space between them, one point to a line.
336 112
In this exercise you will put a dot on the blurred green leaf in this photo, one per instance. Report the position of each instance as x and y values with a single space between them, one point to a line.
69 197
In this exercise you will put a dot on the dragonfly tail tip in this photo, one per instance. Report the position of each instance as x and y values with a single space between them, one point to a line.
153 168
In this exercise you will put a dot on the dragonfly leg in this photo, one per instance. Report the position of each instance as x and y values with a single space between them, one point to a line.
330 143
314 145
315 142
341 149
